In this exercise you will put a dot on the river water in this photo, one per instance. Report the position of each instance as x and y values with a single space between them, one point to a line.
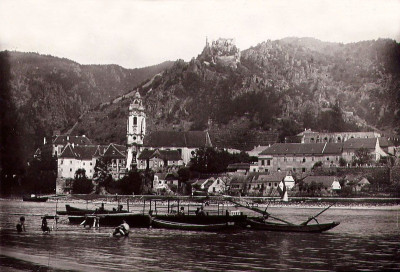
366 240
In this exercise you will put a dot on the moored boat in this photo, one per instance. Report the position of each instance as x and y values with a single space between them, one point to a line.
134 220
69 210
35 198
157 223
259 224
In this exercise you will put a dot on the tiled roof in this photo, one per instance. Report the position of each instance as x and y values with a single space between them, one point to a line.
385 142
235 166
333 148
325 180
192 139
169 155
85 152
115 152
357 143
303 149
76 140
82 152
273 177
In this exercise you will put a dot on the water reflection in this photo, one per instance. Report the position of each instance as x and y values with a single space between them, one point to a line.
365 240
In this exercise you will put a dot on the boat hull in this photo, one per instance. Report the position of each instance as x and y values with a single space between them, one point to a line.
143 220
112 220
35 199
69 210
270 226
157 223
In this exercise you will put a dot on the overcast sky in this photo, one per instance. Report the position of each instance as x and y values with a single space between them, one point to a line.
141 33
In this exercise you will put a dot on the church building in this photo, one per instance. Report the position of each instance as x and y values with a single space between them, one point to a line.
136 130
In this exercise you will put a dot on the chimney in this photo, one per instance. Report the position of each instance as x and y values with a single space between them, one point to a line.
83 135
67 138
44 140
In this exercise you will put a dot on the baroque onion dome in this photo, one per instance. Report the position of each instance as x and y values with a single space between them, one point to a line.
136 128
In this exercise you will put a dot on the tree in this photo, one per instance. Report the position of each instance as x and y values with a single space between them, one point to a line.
81 184
317 164
342 162
362 156
211 160
131 183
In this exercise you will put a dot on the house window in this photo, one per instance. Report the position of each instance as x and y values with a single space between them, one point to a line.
70 162
214 189
304 159
303 170
327 159
217 181
90 171
135 121
262 162
276 184
91 163
83 163
70 169
294 169
268 162
312 158
62 161
269 184
285 159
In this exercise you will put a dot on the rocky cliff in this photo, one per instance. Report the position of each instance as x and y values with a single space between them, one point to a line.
277 88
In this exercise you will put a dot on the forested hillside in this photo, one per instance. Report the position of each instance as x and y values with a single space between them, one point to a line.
277 89
44 94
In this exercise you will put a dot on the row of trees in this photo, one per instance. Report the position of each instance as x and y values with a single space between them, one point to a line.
135 182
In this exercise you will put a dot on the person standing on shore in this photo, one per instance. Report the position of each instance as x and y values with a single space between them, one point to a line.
21 225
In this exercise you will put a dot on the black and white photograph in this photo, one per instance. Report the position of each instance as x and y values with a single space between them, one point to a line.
199 135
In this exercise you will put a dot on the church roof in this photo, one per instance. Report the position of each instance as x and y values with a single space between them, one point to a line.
169 155
191 139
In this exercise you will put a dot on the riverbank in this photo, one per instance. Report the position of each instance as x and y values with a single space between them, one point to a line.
262 202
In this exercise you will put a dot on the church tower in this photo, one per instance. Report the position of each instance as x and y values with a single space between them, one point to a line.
136 129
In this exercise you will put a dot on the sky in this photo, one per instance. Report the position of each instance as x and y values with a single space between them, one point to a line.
139 33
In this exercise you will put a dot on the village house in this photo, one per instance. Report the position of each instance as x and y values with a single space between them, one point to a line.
261 184
158 159
116 155
329 183
185 142
213 185
55 146
73 158
295 157
371 144
164 182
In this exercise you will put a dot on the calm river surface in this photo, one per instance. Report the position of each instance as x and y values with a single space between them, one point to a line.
366 240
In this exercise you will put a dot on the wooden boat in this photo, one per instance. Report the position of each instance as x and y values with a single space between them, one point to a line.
258 224
69 210
35 198
157 223
112 219
143 220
